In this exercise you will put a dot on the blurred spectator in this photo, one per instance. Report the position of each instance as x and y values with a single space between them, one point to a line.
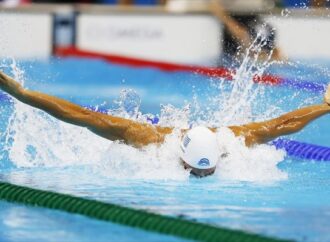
320 3
241 32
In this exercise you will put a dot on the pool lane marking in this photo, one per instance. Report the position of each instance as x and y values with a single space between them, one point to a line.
303 150
136 218
216 72
4 97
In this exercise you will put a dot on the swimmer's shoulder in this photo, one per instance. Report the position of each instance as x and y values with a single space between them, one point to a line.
246 132
238 130
164 130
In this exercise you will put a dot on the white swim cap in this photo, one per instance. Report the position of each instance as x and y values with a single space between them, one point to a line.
200 148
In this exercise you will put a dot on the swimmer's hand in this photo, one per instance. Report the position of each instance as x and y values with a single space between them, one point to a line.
2 79
9 85
327 95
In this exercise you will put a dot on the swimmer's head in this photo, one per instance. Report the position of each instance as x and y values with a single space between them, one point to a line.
199 151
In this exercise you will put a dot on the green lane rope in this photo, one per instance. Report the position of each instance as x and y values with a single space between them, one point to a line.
125 216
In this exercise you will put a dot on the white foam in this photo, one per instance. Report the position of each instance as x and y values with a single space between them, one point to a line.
257 163
151 162
36 139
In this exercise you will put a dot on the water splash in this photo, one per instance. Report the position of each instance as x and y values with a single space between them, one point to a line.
33 138
128 104
238 162
151 162
235 106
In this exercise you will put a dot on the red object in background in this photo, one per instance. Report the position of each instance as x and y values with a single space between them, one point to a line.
220 72
267 79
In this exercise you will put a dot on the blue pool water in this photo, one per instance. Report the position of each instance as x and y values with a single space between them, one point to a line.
293 206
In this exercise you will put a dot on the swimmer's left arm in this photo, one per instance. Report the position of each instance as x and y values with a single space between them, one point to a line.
107 126
292 122
289 123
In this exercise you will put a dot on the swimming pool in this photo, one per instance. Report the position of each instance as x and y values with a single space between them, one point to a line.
289 200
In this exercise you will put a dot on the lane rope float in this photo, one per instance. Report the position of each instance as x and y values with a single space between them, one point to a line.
126 216
303 150
216 72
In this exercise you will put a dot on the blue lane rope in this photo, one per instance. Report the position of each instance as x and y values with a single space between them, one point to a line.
4 98
304 85
303 150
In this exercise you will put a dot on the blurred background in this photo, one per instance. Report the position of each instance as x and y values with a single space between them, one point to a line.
199 32
284 3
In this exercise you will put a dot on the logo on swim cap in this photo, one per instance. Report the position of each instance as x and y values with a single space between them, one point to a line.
204 162
186 141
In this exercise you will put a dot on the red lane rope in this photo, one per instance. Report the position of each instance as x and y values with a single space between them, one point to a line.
220 72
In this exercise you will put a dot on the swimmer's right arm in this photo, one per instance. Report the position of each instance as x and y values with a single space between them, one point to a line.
106 126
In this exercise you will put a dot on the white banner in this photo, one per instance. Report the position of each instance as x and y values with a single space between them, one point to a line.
302 37
186 39
25 35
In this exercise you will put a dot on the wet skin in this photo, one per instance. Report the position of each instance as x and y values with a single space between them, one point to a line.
141 134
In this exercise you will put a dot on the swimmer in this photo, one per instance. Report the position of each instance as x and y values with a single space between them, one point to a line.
199 151
245 33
